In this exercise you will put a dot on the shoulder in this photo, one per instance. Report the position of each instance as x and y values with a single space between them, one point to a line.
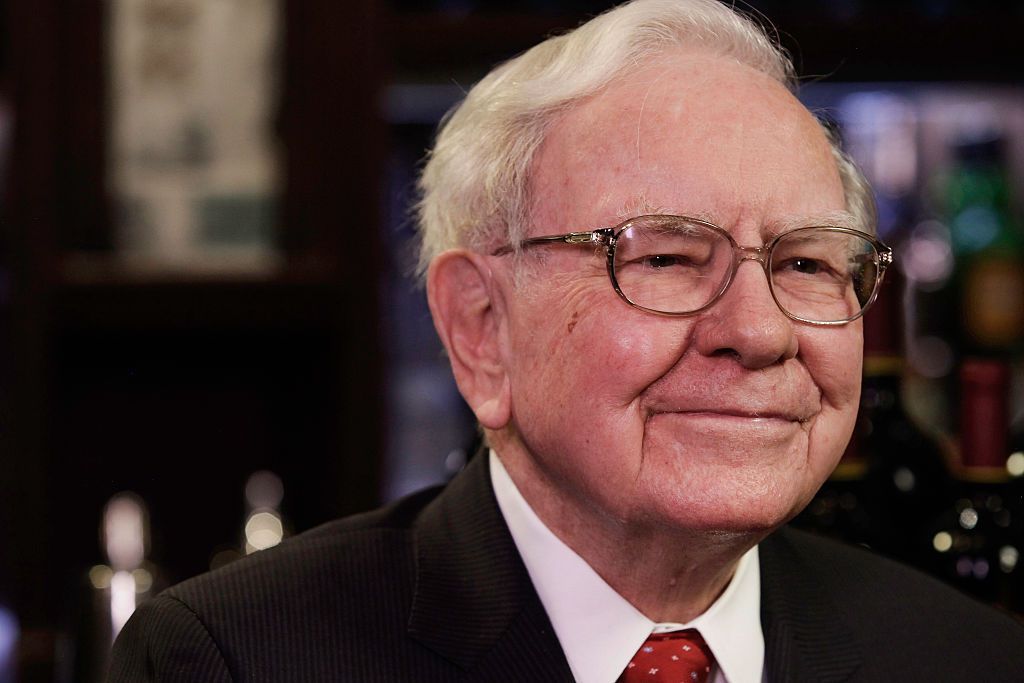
311 596
342 561
915 617
857 575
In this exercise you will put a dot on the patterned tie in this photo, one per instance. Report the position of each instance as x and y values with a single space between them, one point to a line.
676 657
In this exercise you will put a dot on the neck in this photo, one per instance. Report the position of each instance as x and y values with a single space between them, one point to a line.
668 577
669 574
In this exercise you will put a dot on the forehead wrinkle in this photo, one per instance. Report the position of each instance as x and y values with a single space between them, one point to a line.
640 114
747 161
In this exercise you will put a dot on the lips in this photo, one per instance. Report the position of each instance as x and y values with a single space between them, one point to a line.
727 391
746 413
738 405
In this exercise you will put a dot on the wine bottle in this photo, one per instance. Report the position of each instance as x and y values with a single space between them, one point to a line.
976 540
907 480
988 245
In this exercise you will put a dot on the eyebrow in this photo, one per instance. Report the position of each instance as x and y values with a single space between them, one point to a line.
639 205
835 219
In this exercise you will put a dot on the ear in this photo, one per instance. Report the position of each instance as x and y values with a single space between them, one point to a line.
466 304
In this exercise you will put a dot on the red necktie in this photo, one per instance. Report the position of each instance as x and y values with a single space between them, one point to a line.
676 657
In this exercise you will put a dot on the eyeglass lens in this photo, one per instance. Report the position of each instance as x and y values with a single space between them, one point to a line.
671 265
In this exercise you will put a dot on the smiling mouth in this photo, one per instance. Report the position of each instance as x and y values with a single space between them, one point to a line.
740 415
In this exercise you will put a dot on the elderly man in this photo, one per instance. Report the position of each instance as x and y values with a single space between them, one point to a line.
647 262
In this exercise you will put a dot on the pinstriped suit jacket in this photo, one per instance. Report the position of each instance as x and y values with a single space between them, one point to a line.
432 589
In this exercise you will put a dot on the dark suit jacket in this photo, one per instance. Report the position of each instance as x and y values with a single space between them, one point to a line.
433 589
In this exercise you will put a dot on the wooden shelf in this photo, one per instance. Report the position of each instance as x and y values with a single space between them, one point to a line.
899 45
83 270
425 41
197 306
893 44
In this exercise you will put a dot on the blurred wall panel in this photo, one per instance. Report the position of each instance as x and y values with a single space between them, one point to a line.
177 383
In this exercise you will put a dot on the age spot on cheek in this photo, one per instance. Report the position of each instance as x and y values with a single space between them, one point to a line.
572 323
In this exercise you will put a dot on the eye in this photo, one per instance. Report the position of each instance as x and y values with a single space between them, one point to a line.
807 266
660 261
807 270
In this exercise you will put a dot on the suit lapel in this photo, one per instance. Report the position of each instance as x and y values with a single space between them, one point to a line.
805 640
474 603
475 606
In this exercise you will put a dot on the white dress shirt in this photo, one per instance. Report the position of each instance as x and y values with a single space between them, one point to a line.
598 629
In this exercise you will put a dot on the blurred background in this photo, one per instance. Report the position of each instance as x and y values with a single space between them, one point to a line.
209 338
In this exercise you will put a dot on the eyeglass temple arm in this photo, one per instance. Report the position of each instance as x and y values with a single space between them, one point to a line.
601 236
590 236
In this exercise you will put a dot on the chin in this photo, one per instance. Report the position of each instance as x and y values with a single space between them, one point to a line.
732 510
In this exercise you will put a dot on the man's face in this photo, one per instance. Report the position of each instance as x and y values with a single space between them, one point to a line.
726 420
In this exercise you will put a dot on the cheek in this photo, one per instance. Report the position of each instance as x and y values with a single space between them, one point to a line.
627 351
588 357
580 330
629 347
834 361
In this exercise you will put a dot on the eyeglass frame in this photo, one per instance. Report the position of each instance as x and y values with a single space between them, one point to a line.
608 238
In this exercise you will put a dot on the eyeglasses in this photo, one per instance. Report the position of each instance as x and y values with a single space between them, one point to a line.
677 266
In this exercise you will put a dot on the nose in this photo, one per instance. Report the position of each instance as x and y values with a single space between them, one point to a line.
747 323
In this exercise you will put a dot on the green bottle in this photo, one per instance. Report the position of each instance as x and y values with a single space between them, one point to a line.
988 246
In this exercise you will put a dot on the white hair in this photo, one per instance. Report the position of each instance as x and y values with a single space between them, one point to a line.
475 187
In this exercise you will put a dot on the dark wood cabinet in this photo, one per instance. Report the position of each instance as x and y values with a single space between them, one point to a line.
175 385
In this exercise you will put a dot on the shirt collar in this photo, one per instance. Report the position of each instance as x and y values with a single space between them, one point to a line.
598 629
